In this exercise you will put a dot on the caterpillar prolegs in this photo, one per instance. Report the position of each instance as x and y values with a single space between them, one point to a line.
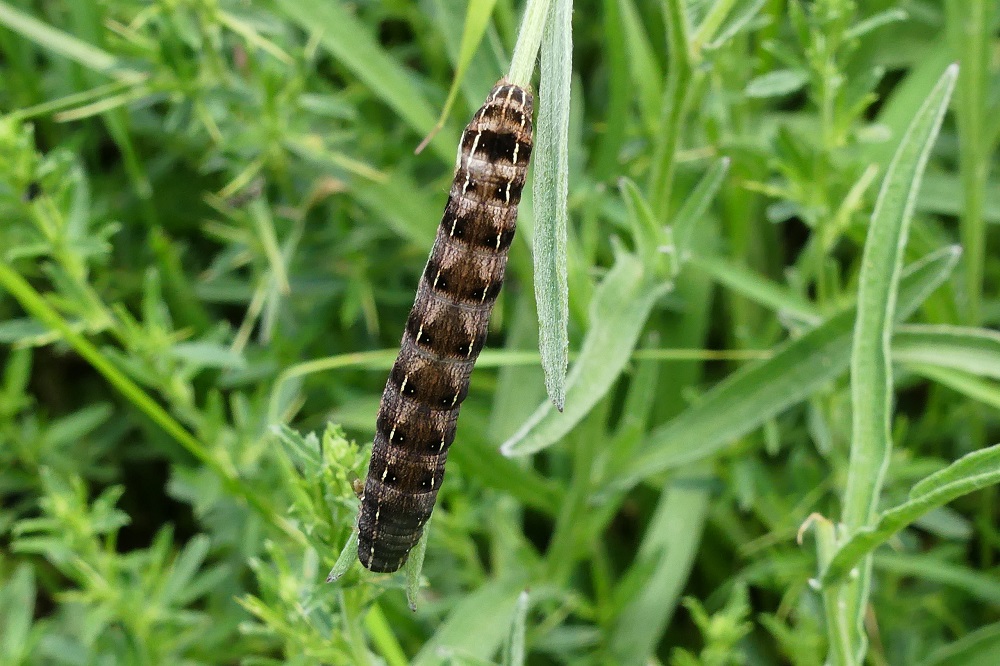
446 329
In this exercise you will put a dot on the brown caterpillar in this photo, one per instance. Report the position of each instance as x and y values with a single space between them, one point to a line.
446 329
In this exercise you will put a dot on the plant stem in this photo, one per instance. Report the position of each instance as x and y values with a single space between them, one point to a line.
529 39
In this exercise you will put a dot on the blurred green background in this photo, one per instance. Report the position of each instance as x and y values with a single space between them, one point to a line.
212 224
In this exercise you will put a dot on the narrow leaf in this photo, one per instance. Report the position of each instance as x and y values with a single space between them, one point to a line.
550 191
968 474
513 652
477 18
696 204
762 390
661 569
972 350
619 311
871 369
348 40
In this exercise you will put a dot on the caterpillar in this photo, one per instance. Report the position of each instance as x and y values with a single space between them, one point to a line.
446 329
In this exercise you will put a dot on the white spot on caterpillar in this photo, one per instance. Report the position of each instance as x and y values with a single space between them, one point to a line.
506 193
378 512
499 236
432 482
454 398
392 433
420 332
517 144
441 445
385 473
468 353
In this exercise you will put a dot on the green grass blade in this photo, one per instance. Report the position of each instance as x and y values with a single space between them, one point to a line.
871 371
646 74
970 386
513 652
477 625
529 39
414 566
978 648
972 350
619 311
968 474
755 287
550 191
696 205
661 568
970 30
350 42
348 558
759 391
673 109
477 18
607 153
871 377
57 41
38 307
978 585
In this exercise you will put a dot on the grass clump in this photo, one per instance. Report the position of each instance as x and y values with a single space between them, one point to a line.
779 435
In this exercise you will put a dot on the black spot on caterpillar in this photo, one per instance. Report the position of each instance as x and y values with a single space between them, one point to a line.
446 330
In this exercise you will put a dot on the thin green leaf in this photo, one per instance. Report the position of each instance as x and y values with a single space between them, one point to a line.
661 568
979 585
776 83
871 368
513 652
477 18
619 311
529 38
871 376
350 42
695 206
968 474
649 236
348 556
762 390
550 191
755 287
977 389
978 648
17 608
414 566
208 355
876 21
61 42
477 624
645 71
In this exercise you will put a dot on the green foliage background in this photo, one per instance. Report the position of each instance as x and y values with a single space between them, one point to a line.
212 222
